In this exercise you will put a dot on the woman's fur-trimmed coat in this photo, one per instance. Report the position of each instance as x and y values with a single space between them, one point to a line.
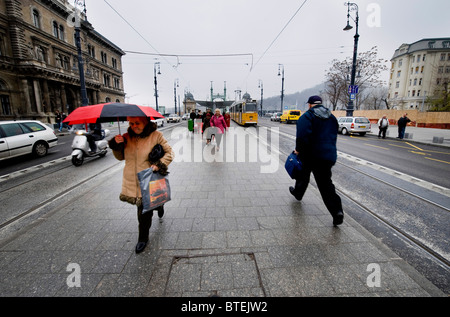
135 152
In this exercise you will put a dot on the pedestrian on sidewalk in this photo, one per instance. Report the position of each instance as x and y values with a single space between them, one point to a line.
383 125
58 120
218 121
135 147
316 148
206 122
402 123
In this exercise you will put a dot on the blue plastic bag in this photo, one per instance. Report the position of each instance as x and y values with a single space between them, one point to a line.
155 189
293 165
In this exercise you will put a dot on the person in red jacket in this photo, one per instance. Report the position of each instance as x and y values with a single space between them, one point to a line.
218 121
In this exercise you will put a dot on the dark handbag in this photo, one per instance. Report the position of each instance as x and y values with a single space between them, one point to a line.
156 154
293 165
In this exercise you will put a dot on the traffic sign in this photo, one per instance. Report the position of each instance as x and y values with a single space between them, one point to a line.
352 96
353 89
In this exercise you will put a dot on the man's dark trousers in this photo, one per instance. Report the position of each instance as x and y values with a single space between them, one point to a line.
322 174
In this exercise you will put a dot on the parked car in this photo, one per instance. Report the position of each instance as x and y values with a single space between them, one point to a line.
25 137
173 118
290 116
276 116
350 125
159 122
186 116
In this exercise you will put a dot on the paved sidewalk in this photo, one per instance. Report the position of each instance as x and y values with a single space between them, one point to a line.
438 137
230 231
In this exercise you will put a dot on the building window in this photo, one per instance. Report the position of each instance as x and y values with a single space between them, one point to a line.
61 33
107 80
418 58
2 45
400 63
114 63
36 19
442 57
66 63
446 44
91 51
415 82
424 57
55 30
117 83
420 82
399 73
447 70
441 70
104 58
431 44
397 84
6 106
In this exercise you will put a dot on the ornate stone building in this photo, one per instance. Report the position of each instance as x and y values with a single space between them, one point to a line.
39 62
420 71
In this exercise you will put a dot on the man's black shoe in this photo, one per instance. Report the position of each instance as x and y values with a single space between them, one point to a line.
140 246
338 219
292 191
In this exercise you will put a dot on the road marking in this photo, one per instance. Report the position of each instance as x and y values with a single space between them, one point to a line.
429 158
380 147
414 146
422 183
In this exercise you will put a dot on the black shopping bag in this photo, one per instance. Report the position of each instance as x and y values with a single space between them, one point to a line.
155 189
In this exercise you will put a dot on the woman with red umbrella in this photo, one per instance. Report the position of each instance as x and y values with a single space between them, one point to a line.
135 147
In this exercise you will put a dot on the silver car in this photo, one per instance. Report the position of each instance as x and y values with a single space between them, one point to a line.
25 137
351 125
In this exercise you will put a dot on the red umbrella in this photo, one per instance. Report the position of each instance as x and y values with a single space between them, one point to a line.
109 112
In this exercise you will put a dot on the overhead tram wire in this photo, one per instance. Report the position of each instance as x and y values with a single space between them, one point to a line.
193 55
276 38
138 33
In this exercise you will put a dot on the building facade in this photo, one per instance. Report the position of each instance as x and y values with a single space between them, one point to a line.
420 72
39 62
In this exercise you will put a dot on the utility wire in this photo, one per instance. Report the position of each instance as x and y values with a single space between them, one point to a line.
279 34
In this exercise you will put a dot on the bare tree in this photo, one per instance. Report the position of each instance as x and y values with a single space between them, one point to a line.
337 78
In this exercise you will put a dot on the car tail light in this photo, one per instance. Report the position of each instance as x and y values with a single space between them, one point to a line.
353 125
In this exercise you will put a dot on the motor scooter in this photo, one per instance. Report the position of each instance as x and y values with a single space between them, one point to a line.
81 150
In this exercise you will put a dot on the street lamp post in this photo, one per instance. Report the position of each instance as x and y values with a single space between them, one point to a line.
175 85
156 83
261 86
84 97
281 73
350 107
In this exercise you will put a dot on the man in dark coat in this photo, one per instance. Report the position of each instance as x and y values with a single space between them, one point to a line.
316 141
402 123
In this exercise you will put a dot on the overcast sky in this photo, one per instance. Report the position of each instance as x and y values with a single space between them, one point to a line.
313 38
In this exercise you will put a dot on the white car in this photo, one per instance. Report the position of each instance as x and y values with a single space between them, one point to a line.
173 118
25 137
159 122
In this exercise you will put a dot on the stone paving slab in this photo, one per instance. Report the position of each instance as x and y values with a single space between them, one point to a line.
229 231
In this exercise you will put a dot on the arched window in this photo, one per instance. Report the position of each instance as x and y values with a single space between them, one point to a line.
36 19
55 29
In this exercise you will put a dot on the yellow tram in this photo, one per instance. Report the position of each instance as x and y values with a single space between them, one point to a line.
244 113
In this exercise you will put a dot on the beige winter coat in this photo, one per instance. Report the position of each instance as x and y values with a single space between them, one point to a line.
135 155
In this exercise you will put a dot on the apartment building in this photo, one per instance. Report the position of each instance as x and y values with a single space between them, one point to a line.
39 62
420 71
